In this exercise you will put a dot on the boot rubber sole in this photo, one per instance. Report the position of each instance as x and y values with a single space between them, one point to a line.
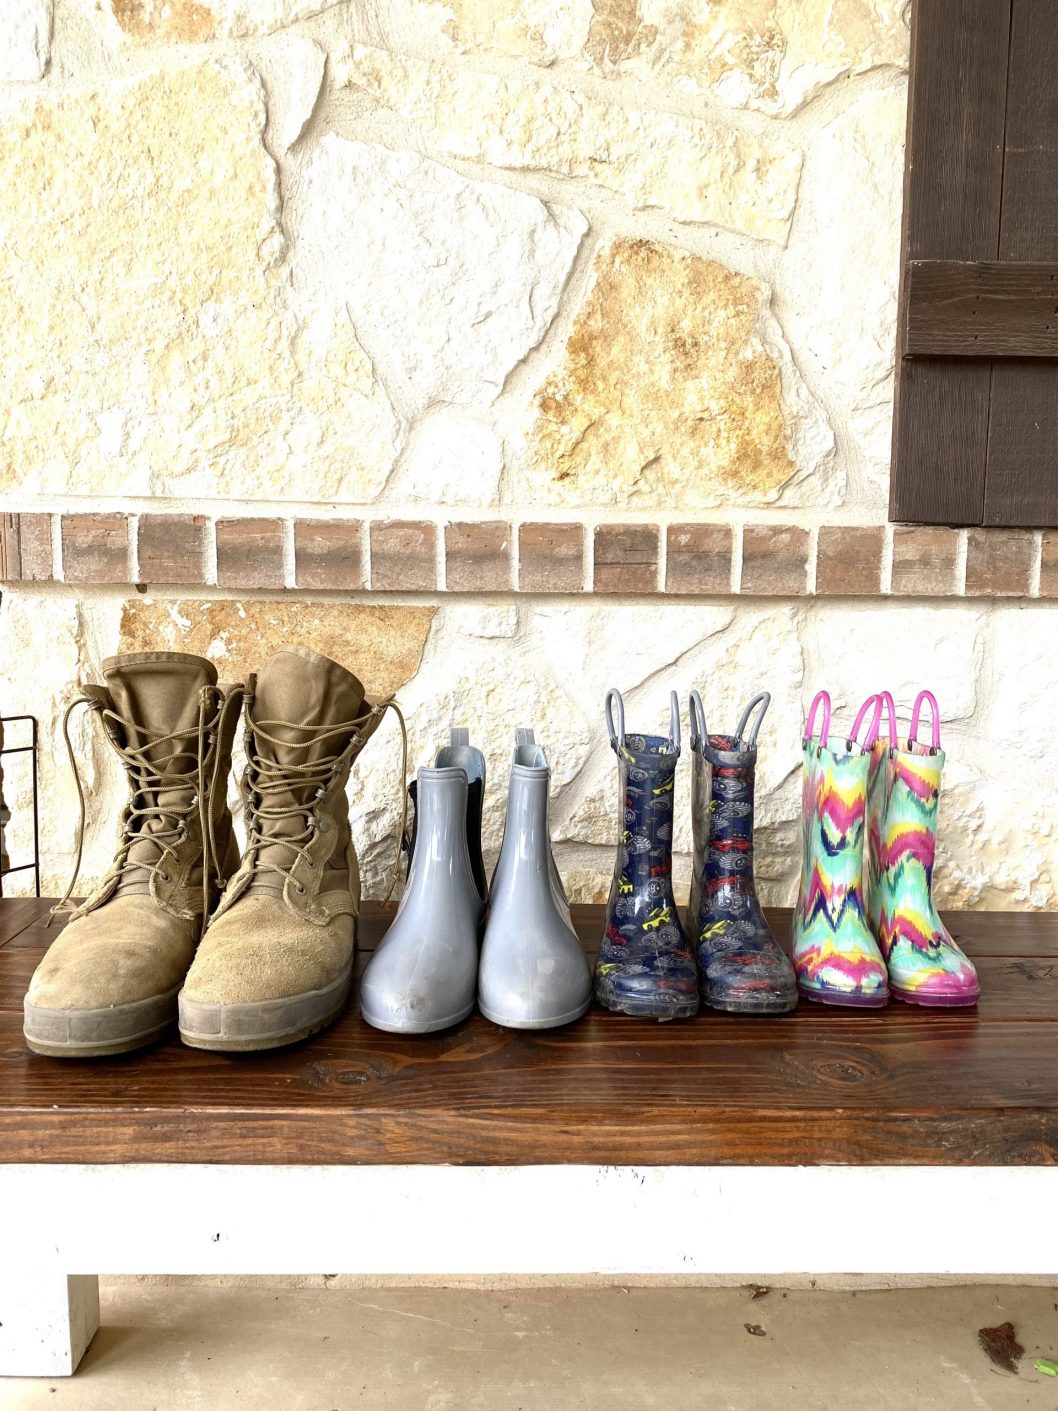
843 998
649 1008
417 1026
553 1022
98 1033
268 1023
935 1001
732 1004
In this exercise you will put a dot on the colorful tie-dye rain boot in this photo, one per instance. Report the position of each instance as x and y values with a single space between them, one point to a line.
925 964
834 954
645 964
741 967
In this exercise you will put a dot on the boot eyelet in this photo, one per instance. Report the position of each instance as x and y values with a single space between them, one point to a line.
299 889
164 877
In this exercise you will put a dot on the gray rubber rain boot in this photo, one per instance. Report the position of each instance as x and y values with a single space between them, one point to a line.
533 972
423 976
459 753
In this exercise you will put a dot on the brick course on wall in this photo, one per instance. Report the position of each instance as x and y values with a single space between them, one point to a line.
489 556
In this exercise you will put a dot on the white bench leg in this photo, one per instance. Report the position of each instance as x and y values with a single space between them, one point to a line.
46 1323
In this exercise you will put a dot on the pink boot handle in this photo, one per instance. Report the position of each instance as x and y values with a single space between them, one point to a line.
926 697
876 720
821 698
886 698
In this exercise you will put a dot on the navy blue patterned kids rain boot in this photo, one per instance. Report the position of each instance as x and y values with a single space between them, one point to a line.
741 966
645 965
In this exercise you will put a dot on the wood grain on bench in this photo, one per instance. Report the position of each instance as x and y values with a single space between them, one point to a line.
901 1086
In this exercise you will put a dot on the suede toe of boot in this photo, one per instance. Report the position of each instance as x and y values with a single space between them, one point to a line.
265 975
109 982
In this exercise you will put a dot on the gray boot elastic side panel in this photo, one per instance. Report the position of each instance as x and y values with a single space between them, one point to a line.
460 754
534 973
423 976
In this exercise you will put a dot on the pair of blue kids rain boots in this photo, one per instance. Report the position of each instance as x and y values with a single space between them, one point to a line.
649 964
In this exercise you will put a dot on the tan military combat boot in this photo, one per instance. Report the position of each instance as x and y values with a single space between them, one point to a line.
109 982
276 962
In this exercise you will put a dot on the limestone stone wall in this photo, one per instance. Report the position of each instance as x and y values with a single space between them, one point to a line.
584 254
494 664
622 268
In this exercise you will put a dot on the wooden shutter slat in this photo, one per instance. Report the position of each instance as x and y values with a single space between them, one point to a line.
980 309
1022 484
952 195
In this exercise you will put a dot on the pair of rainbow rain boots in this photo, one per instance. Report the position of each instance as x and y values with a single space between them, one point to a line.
873 802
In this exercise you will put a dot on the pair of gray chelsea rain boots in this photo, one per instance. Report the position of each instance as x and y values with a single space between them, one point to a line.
247 952
429 971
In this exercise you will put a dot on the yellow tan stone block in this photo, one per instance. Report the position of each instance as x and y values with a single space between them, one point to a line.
383 646
693 169
669 393
771 55
197 21
155 345
540 30
768 55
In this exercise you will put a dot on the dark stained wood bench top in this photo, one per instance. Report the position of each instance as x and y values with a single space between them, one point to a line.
900 1086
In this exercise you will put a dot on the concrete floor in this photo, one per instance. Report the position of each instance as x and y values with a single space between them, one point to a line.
181 1345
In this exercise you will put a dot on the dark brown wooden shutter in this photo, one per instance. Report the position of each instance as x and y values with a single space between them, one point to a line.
975 438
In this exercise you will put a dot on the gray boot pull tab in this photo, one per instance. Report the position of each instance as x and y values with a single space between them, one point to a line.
524 737
699 733
762 699
458 738
617 734
674 722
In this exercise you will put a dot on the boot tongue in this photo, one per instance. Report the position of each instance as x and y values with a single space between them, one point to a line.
298 691
157 695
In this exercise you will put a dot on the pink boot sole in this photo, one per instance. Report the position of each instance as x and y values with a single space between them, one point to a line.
843 998
935 1001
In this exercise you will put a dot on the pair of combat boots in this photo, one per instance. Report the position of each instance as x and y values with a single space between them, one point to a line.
248 952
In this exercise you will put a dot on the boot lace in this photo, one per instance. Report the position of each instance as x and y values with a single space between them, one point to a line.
147 766
266 781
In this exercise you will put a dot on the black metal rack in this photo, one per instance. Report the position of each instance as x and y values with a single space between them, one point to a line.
30 749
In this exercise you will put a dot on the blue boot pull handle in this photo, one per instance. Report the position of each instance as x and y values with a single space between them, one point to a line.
617 736
617 732
762 699
699 734
674 722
